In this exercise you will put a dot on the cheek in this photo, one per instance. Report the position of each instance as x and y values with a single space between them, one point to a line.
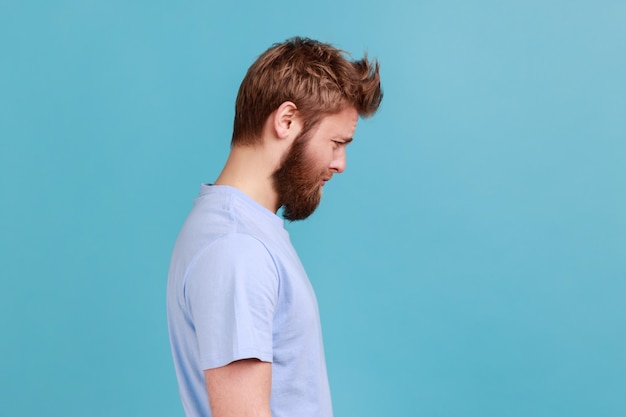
322 157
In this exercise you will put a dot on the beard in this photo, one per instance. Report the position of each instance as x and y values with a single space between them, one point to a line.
298 181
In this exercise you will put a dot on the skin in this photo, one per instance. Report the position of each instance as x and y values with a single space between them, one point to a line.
242 388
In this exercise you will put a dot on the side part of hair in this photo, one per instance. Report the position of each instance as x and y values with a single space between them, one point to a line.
315 76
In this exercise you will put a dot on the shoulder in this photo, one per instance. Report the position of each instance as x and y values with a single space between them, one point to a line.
233 250
231 260
236 267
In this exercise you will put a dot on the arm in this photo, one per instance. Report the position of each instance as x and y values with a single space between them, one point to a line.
240 389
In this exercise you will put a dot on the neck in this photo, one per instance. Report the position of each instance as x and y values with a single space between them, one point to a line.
250 170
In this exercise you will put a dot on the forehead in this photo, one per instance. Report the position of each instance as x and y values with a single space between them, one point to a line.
340 124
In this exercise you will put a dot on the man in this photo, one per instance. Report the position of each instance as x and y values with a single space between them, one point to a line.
242 315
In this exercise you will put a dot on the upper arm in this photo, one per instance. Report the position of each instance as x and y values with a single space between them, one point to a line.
240 389
231 292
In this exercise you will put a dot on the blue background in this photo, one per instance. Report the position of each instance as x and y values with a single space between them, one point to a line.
469 262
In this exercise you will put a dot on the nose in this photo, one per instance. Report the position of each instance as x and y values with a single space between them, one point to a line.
338 164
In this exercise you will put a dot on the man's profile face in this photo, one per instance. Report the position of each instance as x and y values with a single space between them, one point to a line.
311 161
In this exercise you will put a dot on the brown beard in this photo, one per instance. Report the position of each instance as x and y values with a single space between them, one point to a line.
297 182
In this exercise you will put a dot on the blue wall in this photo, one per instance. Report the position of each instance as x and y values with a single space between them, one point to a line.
471 261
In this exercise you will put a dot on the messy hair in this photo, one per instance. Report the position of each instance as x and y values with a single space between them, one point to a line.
317 77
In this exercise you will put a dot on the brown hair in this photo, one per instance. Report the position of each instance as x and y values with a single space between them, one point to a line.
315 76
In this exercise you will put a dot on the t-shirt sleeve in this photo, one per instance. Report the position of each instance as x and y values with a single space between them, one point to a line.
231 291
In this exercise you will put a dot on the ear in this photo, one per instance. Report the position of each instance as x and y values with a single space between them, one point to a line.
286 120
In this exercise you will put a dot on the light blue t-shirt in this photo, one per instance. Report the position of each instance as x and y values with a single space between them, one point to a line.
237 290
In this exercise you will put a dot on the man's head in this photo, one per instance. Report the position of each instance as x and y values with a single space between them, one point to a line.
328 92
315 76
